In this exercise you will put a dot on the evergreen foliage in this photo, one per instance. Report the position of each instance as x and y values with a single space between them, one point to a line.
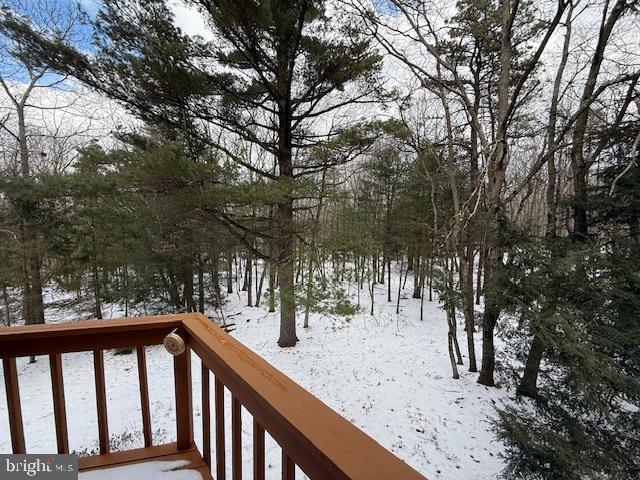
582 299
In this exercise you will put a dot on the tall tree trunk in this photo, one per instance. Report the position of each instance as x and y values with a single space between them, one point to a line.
300 265
374 259
307 306
489 318
96 291
452 340
529 383
170 286
286 266
260 283
7 305
246 274
126 291
35 267
452 358
188 288
528 386
496 173
466 280
399 285
200 285
372 279
389 280
417 277
479 273
249 279
467 258
579 164
272 287
33 305
215 278
229 272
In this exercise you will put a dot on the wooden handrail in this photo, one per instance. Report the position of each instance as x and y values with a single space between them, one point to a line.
320 441
83 336
313 436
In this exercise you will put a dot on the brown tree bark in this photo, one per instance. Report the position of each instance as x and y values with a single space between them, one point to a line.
496 173
249 279
286 229
529 383
229 272
579 164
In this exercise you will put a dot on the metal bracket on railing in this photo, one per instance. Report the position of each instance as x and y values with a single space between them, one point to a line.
174 343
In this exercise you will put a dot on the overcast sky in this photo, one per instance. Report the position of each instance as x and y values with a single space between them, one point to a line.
92 112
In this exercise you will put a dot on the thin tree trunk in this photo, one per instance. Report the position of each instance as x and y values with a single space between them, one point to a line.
249 279
215 279
371 286
399 285
200 285
188 288
272 289
229 272
579 164
260 284
7 304
479 275
454 367
417 275
307 306
97 311
496 174
422 295
528 384
389 280
246 273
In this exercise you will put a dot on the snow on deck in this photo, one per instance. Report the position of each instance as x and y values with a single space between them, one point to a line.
144 471
388 374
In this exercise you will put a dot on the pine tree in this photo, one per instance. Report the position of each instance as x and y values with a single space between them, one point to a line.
274 68
582 300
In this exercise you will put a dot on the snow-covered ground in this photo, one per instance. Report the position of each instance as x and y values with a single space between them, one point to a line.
388 374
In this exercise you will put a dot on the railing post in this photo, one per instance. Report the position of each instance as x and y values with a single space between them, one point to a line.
206 416
144 396
258 451
236 438
101 401
59 408
13 405
288 467
184 412
220 444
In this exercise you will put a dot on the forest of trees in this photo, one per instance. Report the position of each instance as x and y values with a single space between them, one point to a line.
495 169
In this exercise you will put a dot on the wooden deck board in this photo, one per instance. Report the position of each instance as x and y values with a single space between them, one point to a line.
161 453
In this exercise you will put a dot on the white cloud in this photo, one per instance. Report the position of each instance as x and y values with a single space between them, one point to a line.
190 20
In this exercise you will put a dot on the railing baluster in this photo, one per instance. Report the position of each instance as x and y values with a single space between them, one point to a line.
59 408
288 467
101 401
236 438
219 405
258 451
206 416
184 407
144 396
13 405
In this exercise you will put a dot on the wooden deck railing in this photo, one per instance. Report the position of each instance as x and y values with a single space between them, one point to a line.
313 436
